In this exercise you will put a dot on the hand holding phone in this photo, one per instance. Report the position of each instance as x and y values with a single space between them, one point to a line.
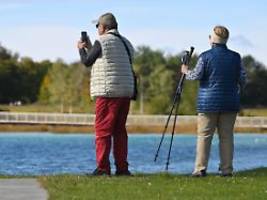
85 38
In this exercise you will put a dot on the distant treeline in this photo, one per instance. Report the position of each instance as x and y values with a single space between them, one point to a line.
67 85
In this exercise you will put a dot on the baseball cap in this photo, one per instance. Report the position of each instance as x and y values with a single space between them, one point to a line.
108 20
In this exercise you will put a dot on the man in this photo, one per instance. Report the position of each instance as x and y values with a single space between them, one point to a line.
221 77
112 85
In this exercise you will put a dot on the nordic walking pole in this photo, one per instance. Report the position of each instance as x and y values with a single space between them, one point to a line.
165 128
178 91
185 60
168 119
173 129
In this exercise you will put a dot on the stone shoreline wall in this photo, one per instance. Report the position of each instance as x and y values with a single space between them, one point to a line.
180 128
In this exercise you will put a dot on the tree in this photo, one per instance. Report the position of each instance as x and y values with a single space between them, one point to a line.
5 54
57 75
160 90
9 76
254 93
159 76
74 82
10 81
146 63
20 79
67 85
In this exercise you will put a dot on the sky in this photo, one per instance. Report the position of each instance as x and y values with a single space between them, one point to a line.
50 29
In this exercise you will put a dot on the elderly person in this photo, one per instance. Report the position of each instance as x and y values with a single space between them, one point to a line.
112 85
221 75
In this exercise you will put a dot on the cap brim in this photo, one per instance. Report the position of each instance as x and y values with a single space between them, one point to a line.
94 21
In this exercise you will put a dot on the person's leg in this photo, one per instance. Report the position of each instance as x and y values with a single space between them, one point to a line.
207 123
120 138
104 126
226 139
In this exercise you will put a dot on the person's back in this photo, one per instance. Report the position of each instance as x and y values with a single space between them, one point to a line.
221 76
111 73
112 85
218 89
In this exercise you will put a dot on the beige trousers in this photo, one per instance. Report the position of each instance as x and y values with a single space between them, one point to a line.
207 123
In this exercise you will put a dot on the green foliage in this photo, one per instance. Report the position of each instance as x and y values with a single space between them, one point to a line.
31 77
159 76
160 89
254 112
5 54
256 83
20 80
66 86
10 81
58 86
188 98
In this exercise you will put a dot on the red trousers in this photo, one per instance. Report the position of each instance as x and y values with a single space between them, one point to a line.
111 116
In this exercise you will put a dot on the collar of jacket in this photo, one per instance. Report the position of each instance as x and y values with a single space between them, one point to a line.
113 31
214 45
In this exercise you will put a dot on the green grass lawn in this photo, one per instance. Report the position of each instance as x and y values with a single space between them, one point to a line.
244 185
254 112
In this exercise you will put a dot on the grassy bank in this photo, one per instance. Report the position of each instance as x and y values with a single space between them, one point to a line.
254 112
244 185
76 109
180 129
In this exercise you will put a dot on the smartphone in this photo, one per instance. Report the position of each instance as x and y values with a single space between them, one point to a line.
84 36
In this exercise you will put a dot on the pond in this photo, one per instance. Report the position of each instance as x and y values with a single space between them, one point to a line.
47 153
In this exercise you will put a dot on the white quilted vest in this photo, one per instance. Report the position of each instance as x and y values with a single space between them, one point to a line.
111 74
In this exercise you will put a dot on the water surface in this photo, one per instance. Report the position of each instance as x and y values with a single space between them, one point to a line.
46 154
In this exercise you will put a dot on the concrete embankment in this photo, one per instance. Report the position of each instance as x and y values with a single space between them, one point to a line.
180 128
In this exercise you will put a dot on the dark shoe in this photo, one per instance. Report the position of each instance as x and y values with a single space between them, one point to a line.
227 175
123 173
201 173
99 172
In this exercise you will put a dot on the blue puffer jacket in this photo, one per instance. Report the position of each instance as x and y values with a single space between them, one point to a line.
218 90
